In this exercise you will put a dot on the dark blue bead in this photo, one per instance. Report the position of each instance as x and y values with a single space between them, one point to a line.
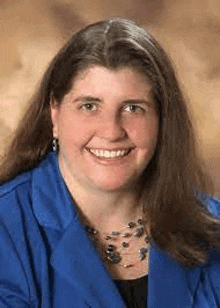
110 246
142 256
114 258
91 230
131 224
115 233
139 231
126 234
125 244
143 250
147 239
141 221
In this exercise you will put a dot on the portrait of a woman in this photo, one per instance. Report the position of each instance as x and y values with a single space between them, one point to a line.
103 200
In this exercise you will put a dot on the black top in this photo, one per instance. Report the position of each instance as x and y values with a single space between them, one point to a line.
134 292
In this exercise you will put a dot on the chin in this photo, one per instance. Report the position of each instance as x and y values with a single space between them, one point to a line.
114 186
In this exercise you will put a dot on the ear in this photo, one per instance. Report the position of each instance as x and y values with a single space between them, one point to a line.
55 111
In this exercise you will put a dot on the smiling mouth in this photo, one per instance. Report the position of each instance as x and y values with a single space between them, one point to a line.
109 154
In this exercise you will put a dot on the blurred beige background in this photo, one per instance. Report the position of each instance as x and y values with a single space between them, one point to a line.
32 31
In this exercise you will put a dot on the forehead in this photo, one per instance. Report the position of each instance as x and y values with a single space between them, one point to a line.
99 77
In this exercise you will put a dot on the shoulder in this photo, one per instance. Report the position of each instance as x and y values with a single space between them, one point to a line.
22 183
14 195
40 194
213 206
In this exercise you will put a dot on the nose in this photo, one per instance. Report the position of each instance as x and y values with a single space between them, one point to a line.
111 128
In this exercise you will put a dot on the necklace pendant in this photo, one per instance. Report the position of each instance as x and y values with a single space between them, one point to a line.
125 244
142 256
141 222
139 232
147 239
114 257
126 234
131 224
143 250
115 233
110 248
91 231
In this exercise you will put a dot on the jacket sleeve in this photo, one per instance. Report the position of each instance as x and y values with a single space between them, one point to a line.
14 290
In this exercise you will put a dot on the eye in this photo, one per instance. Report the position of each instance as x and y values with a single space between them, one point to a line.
89 106
133 108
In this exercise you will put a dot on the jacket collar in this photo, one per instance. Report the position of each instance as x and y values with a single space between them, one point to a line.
76 259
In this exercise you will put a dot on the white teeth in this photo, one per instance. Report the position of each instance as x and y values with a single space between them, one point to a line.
113 154
109 154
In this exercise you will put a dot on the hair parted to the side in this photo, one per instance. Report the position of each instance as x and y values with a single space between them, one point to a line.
179 222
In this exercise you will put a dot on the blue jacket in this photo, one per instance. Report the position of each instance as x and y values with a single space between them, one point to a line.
46 259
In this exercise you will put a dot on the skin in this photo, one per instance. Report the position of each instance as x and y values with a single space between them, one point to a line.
105 110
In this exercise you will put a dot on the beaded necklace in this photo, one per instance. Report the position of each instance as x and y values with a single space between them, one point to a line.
118 244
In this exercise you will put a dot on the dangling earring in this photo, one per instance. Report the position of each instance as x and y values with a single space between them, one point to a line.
55 144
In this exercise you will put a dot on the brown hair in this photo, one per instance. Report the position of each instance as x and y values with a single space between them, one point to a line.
179 222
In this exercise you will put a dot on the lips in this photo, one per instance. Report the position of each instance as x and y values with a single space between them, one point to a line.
109 154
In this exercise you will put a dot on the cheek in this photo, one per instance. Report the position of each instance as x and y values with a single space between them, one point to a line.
73 134
144 133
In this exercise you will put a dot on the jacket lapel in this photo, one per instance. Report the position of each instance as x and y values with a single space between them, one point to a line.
170 285
76 259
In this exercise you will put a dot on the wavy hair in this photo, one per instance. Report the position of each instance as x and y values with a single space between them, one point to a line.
179 222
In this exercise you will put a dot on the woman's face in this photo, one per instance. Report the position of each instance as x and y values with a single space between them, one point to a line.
107 129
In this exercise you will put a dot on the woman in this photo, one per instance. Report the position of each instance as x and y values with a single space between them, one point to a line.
114 215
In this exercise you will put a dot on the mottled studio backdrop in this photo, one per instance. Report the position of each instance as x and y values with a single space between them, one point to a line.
31 31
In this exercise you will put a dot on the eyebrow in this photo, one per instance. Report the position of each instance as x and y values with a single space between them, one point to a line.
86 99
136 101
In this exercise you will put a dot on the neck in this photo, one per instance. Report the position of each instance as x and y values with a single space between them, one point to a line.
105 209
108 205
